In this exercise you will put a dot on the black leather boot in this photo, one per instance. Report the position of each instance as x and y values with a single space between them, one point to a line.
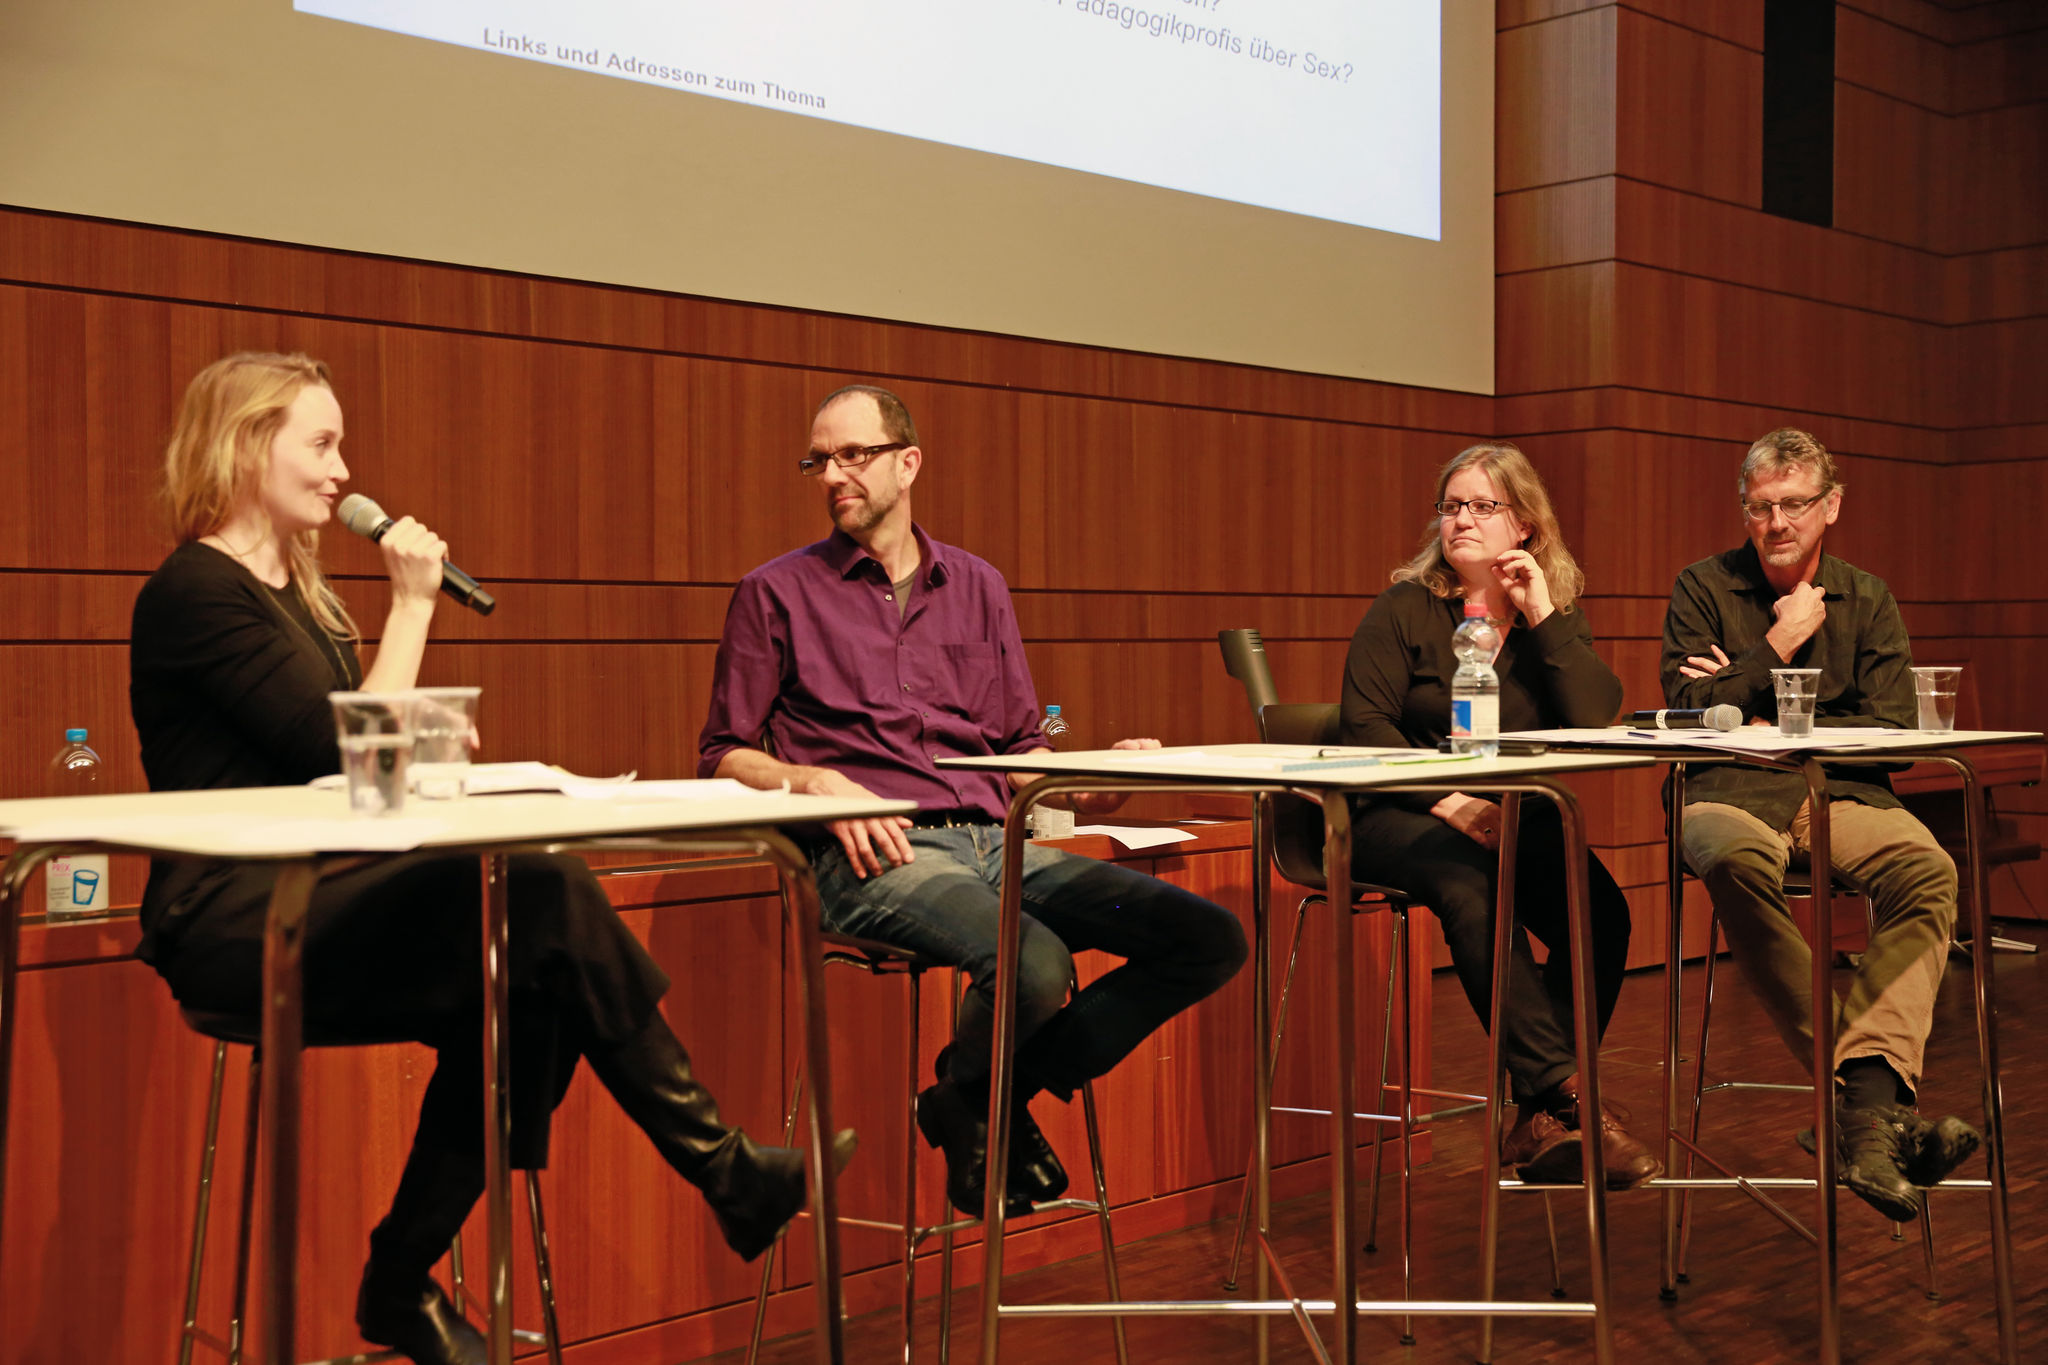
400 1305
753 1190
418 1321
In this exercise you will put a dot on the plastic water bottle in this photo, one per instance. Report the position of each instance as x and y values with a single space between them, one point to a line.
1048 822
75 885
1475 687
1052 729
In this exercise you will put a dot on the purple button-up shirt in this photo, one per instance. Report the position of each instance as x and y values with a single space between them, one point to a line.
817 667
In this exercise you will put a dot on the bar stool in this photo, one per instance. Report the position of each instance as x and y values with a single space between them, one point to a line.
247 1030
1798 883
881 959
1297 857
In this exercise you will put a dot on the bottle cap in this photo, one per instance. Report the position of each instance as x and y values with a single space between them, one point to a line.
1052 710
1475 606
74 736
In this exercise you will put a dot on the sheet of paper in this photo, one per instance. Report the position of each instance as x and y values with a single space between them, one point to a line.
1748 739
1135 837
496 779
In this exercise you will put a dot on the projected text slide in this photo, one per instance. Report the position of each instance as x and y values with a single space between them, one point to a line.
1327 108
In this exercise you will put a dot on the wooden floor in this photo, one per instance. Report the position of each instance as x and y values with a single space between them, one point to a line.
1751 1292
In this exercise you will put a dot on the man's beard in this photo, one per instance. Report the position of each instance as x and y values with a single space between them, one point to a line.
863 515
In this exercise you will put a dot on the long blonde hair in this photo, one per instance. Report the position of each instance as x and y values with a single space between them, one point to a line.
219 453
1522 489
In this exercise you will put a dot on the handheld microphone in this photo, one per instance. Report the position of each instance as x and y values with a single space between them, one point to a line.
1723 717
363 516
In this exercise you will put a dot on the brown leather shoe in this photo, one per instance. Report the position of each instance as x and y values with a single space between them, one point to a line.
1627 1162
1540 1149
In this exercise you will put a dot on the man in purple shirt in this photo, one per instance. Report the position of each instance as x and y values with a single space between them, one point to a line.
848 668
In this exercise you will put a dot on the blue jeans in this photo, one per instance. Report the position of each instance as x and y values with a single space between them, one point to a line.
1177 947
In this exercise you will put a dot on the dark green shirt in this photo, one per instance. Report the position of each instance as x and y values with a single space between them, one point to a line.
1861 650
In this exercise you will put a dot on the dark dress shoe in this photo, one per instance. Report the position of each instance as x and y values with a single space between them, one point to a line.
1036 1175
1625 1160
957 1126
418 1322
1872 1146
1540 1149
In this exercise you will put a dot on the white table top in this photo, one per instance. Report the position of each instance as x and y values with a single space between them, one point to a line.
1765 741
299 822
1298 765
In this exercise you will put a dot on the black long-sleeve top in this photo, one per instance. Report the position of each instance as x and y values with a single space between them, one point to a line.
1861 650
227 681
1397 679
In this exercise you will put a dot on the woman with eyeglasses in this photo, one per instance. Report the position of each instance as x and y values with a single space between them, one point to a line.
236 641
1495 539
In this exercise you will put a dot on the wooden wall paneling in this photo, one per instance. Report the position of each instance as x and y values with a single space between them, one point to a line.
1554 101
1992 167
1884 58
1737 244
1998 372
1556 329
1552 225
1957 25
2012 70
1685 335
1882 145
2007 283
1688 109
259 278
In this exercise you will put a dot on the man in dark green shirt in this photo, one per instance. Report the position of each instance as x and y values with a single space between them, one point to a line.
1779 602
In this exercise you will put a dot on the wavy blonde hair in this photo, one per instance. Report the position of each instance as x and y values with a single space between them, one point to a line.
219 453
1523 491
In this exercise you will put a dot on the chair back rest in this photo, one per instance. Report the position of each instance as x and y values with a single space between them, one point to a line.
1244 657
1298 824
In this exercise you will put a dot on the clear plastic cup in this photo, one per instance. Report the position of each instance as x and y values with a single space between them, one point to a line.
374 730
1797 688
1935 688
443 723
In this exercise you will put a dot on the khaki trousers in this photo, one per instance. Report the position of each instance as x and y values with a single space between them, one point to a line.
1886 854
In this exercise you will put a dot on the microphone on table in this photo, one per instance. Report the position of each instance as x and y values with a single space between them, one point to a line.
1722 717
363 516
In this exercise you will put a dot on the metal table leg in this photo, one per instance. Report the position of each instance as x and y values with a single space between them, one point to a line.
12 882
1344 1061
283 1029
1496 1019
1674 962
497 1111
1821 935
1987 1054
800 898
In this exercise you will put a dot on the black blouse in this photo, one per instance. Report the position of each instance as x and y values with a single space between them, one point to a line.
228 678
1397 680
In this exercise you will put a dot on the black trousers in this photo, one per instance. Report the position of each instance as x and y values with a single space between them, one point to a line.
394 951
1454 876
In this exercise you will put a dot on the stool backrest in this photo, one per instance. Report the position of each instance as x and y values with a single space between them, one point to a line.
1298 824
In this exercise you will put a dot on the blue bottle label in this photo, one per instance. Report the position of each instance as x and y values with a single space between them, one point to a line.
1461 717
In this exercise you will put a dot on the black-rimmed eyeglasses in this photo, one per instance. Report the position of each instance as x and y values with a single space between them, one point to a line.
1482 508
853 457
